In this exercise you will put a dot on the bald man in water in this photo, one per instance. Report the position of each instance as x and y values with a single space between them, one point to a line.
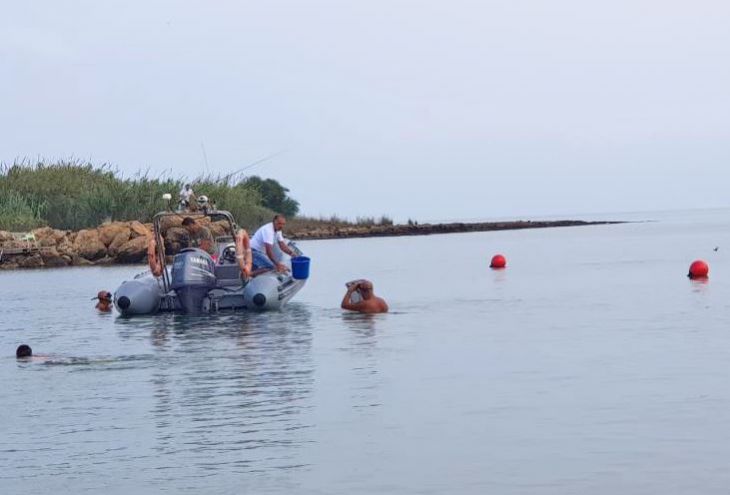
370 303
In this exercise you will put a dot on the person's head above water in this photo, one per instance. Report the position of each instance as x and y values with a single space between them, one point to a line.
368 302
105 301
279 222
365 288
103 295
23 350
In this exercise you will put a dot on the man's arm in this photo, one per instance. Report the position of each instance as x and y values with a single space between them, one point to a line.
347 302
286 248
205 240
270 253
207 246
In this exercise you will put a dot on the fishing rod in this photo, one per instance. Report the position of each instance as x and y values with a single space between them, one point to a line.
253 164
205 158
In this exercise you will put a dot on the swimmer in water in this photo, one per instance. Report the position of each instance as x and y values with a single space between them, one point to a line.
105 301
368 303
25 353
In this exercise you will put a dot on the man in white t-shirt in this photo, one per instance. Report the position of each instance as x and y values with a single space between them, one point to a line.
262 246
186 196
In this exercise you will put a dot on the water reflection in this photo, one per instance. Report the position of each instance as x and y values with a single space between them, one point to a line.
229 387
363 333
699 285
362 325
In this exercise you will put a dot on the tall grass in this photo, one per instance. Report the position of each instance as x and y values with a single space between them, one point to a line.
17 213
75 195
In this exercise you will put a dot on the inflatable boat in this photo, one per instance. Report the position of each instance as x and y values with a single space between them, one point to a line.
199 282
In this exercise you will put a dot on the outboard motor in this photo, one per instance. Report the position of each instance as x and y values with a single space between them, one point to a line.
193 276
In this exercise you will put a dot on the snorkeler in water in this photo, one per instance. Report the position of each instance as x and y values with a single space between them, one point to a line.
105 301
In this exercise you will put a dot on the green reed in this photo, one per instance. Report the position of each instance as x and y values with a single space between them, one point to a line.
75 195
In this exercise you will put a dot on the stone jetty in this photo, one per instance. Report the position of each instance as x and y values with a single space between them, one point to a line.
126 242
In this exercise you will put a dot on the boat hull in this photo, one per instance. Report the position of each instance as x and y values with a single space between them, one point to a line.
145 295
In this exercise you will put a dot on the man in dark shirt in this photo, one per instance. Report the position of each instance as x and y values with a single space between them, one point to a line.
200 237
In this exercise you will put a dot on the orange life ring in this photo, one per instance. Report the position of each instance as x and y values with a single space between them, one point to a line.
154 262
243 253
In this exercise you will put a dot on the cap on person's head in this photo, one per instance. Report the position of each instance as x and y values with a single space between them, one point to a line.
187 221
23 350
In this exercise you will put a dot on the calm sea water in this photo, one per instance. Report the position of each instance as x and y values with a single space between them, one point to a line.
590 365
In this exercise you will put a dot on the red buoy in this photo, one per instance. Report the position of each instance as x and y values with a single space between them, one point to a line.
698 269
498 261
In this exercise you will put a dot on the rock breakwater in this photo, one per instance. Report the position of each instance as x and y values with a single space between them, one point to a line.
110 243
126 242
338 232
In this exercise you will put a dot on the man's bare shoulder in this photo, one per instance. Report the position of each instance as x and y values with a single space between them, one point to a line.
374 305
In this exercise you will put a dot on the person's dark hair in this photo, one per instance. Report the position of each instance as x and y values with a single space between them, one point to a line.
23 350
277 216
188 221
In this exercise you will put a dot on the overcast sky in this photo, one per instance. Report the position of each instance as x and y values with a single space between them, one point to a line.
421 109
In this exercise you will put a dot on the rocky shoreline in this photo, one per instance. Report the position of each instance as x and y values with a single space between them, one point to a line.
331 232
126 242
112 243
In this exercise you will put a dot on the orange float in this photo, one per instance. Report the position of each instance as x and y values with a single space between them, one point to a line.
152 259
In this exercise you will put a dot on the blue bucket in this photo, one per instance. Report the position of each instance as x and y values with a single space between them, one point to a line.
300 268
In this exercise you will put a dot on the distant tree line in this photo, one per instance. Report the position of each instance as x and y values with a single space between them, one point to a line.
274 196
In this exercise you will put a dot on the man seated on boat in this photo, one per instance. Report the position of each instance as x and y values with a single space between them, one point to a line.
262 245
367 302
199 236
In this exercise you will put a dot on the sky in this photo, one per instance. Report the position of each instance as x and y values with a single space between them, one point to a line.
414 109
